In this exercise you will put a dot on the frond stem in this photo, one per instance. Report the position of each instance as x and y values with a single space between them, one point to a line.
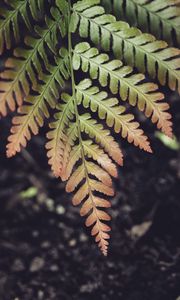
74 96
77 116
127 40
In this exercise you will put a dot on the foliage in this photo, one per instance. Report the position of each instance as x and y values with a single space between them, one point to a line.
171 143
43 64
161 18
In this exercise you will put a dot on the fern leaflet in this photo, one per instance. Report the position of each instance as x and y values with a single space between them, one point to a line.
128 86
161 18
21 70
10 19
139 50
32 113
58 137
91 160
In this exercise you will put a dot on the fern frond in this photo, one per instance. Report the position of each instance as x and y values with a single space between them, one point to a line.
21 70
60 142
92 151
92 208
94 170
63 7
139 50
86 192
9 19
71 137
102 137
96 153
161 18
96 218
36 108
121 80
110 110
87 166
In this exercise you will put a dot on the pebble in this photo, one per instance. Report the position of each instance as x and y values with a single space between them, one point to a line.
35 233
18 265
36 264
83 238
89 287
40 295
60 210
54 268
72 243
45 245
50 204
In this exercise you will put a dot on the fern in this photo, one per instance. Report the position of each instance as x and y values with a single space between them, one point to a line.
10 13
81 153
20 69
113 113
161 18
32 113
122 81
58 137
142 51
40 76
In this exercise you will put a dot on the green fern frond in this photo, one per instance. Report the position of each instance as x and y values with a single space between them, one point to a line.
121 80
139 50
21 70
110 110
36 108
161 18
10 14
63 7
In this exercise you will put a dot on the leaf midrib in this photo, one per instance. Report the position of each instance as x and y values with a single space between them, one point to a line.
157 15
29 59
40 98
134 87
107 108
16 10
128 41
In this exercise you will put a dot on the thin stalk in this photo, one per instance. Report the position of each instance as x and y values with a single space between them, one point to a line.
74 97
77 115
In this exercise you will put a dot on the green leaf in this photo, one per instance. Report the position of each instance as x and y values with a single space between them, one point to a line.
171 143
31 192
161 18
129 44
122 81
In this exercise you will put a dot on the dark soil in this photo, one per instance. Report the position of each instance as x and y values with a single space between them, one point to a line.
46 252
